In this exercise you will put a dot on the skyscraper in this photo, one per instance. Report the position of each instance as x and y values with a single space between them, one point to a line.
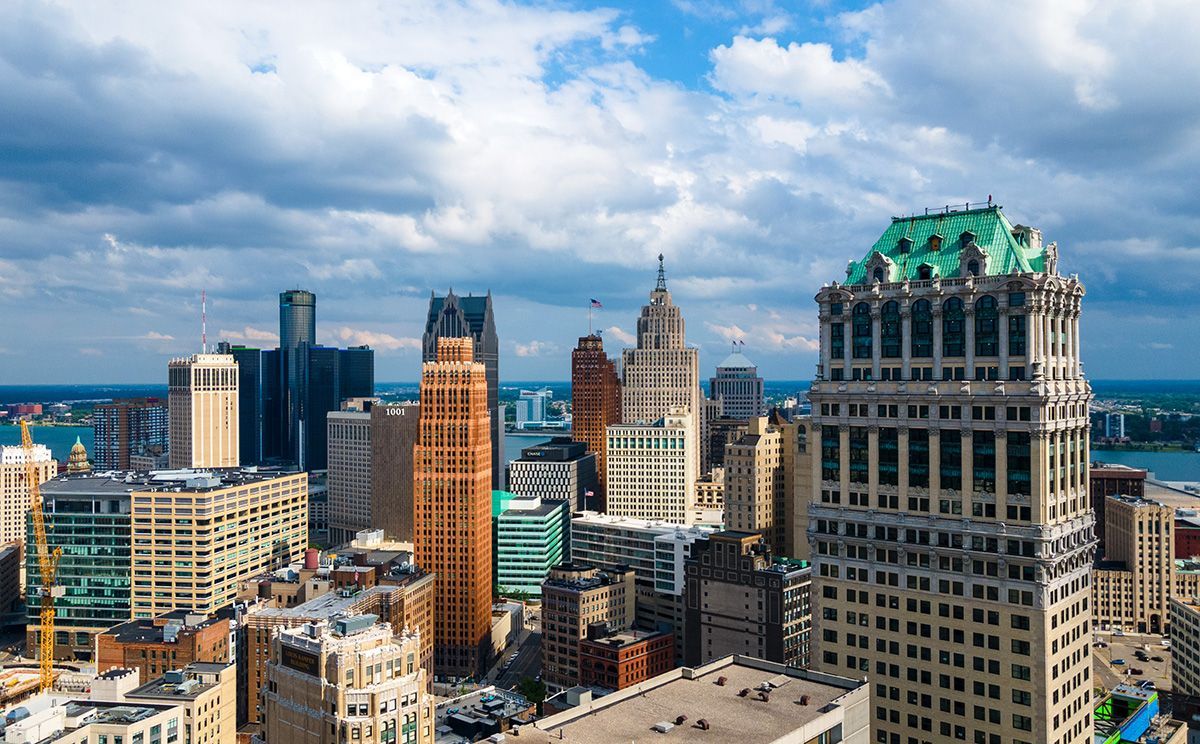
250 400
662 372
456 317
738 386
949 510
14 487
128 426
453 503
297 332
652 469
755 488
202 398
595 400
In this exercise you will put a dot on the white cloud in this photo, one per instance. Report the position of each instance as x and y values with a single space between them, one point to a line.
806 73
250 334
375 339
535 348
621 335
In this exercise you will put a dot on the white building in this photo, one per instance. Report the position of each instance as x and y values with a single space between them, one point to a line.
531 406
652 468
14 489
202 402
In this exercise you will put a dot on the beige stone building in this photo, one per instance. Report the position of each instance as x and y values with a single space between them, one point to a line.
755 486
202 418
1184 619
949 519
710 490
206 693
347 680
662 374
573 597
14 487
197 534
652 469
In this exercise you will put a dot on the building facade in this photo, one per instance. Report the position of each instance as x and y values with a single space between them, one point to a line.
949 508
624 659
574 598
652 469
202 401
250 400
531 538
595 401
471 317
155 646
349 680
661 375
557 470
756 498
205 693
1112 479
1184 618
125 427
738 386
740 601
14 487
452 492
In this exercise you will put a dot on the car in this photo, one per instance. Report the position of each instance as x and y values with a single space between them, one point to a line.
1135 671
1166 643
1147 684
1156 658
1118 662
1101 644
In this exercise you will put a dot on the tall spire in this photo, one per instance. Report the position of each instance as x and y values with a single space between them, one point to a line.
662 275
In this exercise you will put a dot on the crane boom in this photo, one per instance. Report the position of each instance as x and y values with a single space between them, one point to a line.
47 565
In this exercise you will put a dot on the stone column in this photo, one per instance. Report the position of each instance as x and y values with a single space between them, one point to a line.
1002 474
826 361
847 346
969 345
1002 350
1076 371
902 459
873 463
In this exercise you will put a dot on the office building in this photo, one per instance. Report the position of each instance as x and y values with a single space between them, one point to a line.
661 376
531 536
652 469
742 601
1184 619
456 317
252 521
1114 426
78 720
755 489
1112 479
557 470
371 471
626 658
128 426
797 484
155 646
346 680
738 387
318 507
452 492
737 698
202 402
720 432
710 490
531 407
710 410
949 502
595 401
14 487
205 693
250 400
10 578
1134 583
93 528
574 598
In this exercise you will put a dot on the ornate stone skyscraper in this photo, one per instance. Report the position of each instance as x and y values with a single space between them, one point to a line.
454 317
595 400
949 520
662 372
452 476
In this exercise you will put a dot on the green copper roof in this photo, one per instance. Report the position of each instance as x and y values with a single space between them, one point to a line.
992 233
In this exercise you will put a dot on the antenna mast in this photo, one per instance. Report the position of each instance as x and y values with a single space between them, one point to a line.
204 321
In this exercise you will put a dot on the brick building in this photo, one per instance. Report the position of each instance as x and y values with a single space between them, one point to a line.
170 641
619 660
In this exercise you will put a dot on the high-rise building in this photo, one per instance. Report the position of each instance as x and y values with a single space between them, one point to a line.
711 411
371 471
252 521
719 433
202 399
741 601
128 426
1112 479
662 374
353 677
949 507
1184 618
452 466
595 401
456 317
738 387
652 469
557 470
531 538
574 597
250 400
531 407
755 489
14 487
1114 425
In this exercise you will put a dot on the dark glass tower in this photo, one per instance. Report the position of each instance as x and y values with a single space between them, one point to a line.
297 318
250 400
297 332
455 317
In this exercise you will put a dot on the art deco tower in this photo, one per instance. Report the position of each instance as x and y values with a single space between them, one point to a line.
949 520
662 371
595 399
452 464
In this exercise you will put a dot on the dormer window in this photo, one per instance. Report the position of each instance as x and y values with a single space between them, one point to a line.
935 242
905 245
973 267
966 239
924 272
878 275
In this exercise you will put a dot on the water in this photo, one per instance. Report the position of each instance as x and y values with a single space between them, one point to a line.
59 439
1169 466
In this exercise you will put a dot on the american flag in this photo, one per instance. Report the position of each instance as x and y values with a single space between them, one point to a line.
596 303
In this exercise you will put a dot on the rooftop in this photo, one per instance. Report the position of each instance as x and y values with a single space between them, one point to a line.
632 523
182 684
631 714
108 484
624 638
736 360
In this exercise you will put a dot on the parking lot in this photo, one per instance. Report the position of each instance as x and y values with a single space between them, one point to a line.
1125 648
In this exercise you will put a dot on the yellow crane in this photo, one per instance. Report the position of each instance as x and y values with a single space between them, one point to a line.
47 564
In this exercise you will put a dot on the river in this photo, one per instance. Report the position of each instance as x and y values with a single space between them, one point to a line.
1168 466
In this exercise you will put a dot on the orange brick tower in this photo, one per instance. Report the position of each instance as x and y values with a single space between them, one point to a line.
595 402
452 491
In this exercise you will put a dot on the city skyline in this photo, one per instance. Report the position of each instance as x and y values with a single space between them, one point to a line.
369 156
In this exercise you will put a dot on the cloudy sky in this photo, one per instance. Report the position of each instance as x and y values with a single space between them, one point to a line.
549 151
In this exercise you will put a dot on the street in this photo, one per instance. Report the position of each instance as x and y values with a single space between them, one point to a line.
527 664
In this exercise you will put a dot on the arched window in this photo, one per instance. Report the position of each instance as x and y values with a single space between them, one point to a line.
987 327
879 274
953 332
861 331
922 329
924 272
890 334
973 267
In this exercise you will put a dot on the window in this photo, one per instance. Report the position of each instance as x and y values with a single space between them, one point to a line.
889 457
1016 335
859 454
918 458
953 333
922 329
837 341
950 450
983 452
987 328
973 267
831 464
862 331
924 272
879 274
890 333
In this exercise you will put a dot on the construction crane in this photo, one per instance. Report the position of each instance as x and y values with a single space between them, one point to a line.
47 564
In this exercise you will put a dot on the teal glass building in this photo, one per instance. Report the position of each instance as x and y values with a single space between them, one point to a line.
531 538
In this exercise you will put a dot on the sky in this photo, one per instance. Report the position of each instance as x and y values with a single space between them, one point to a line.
548 152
